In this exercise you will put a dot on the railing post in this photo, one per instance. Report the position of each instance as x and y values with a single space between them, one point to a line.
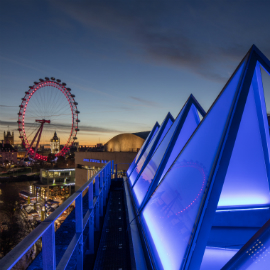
79 229
112 169
97 215
91 243
48 248
97 186
106 183
91 234
116 176
101 195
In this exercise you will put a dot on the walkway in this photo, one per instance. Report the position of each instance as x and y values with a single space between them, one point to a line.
113 251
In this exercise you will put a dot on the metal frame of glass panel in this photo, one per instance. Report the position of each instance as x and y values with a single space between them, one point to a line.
144 146
150 149
163 164
222 160
229 106
255 254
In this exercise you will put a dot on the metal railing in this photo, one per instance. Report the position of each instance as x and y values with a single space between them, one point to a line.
96 201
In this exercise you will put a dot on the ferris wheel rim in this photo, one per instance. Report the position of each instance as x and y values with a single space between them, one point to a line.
74 112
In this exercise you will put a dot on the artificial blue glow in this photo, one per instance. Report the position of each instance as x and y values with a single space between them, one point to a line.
142 149
215 258
254 255
148 174
246 181
169 216
191 124
149 150
167 127
242 209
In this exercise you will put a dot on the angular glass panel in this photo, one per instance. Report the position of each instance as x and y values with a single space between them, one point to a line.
147 176
149 151
246 182
187 130
171 214
138 166
214 258
142 149
169 124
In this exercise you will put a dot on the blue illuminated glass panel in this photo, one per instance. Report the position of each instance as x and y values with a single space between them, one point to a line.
187 130
148 151
147 176
169 124
214 258
170 215
246 182
142 149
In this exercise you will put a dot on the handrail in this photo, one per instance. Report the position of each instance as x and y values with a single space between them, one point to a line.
96 201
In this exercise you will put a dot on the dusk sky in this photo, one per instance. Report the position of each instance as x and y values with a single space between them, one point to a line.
128 62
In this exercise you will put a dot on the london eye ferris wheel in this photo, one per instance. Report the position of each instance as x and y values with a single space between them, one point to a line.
47 108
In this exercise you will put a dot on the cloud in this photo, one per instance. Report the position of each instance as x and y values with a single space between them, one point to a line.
64 128
206 37
145 102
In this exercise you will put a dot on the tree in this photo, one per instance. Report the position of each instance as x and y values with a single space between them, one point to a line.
51 157
61 161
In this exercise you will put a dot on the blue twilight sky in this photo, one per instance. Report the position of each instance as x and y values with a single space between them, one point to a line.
127 62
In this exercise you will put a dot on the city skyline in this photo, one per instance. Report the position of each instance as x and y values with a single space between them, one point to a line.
128 64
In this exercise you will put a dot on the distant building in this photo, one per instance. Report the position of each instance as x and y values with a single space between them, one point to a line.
7 152
9 138
55 144
122 149
126 142
56 182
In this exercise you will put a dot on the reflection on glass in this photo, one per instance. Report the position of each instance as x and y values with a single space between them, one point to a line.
169 218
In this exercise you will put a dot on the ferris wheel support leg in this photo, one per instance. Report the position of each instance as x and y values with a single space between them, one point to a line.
41 128
30 147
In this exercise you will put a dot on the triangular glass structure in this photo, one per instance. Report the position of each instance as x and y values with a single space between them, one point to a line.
243 167
177 136
166 124
177 219
144 146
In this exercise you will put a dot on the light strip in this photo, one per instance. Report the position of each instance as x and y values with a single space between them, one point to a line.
63 170
242 209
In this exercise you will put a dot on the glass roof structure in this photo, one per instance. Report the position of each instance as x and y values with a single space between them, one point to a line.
177 136
223 166
152 146
144 146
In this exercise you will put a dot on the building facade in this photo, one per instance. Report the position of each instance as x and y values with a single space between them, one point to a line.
56 182
9 138
7 153
88 163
